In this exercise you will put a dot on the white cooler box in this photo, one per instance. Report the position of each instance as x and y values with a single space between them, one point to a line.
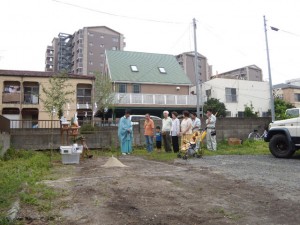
71 154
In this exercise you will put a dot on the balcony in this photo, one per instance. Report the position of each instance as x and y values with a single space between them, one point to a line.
11 98
155 99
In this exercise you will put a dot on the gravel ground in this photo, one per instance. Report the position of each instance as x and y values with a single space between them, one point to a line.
281 176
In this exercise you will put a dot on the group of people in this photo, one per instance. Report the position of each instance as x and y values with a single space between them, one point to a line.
172 129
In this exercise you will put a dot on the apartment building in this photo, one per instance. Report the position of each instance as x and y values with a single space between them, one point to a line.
82 52
252 72
22 91
187 62
289 92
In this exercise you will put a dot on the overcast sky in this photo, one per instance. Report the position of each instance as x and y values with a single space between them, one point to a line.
230 33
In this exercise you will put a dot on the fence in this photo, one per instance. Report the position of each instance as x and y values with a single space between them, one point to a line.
104 134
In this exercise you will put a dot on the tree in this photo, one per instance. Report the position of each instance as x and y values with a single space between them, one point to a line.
249 111
216 106
104 94
57 95
280 107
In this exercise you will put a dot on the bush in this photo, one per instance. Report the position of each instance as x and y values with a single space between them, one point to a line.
87 129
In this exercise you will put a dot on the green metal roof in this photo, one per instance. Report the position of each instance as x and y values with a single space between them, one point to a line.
148 64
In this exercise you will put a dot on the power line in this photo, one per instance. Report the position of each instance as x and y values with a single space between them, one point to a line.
116 15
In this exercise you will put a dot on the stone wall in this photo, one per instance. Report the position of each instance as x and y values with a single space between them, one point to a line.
106 137
4 142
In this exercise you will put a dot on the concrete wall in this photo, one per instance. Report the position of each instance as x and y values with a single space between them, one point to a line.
40 139
4 142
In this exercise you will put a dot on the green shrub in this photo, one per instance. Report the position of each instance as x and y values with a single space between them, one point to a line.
87 129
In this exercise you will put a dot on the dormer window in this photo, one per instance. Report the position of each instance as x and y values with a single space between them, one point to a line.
134 68
162 70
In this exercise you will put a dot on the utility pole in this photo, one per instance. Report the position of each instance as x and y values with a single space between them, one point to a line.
197 77
270 76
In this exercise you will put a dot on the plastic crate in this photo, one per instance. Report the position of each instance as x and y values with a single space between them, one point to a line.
65 149
70 158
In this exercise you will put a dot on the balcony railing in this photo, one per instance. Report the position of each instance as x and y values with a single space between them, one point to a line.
154 99
11 97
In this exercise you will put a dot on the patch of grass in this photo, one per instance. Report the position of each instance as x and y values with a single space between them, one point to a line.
20 172
246 148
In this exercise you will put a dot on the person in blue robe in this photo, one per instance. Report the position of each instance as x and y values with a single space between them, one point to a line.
125 133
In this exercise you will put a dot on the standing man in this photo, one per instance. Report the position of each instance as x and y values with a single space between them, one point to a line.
125 133
211 141
149 132
196 122
166 129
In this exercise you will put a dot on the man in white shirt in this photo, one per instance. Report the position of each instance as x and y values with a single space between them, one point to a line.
166 129
211 141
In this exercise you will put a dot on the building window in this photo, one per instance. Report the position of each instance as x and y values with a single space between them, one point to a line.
297 97
136 88
230 94
102 36
31 94
91 34
102 55
84 94
90 43
208 93
91 53
162 70
114 48
134 68
115 39
90 62
228 113
102 45
122 88
91 73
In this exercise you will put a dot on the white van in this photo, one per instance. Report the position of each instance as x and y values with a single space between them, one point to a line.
293 112
135 119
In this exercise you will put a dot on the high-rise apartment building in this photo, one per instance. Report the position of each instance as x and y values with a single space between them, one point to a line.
187 62
84 51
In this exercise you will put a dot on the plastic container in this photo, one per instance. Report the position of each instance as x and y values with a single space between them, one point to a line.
70 158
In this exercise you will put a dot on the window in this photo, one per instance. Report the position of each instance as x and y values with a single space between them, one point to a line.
134 68
297 97
230 94
91 53
228 113
102 36
114 48
162 70
91 73
91 34
136 88
84 94
102 55
90 62
122 88
115 39
102 45
31 93
208 93
90 43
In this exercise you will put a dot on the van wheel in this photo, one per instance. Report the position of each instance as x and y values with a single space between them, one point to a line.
280 147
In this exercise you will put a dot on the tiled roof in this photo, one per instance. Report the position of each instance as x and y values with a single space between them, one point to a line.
148 64
25 73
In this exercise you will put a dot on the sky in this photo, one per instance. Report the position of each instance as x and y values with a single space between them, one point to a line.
230 33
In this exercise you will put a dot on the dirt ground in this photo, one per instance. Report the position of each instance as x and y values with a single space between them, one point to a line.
149 192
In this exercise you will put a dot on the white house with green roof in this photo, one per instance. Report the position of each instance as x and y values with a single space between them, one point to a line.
148 82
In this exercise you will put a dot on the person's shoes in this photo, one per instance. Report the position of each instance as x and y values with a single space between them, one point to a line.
128 153
123 153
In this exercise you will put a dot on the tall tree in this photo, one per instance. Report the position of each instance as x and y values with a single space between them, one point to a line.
104 94
57 94
216 106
